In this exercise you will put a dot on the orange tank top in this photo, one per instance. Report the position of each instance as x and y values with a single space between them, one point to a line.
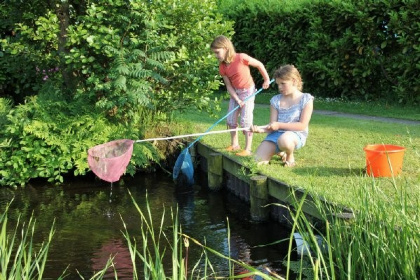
238 71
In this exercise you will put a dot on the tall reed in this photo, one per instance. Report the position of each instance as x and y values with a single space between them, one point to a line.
19 259
381 242
151 250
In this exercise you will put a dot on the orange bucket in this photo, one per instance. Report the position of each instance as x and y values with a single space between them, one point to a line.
384 160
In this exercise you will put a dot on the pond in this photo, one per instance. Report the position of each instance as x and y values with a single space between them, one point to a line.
88 214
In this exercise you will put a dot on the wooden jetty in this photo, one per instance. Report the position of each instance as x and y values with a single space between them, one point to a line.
263 193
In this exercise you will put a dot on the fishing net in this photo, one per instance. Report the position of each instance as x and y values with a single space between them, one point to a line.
184 166
109 161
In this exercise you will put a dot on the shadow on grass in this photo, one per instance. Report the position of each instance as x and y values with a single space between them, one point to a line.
329 171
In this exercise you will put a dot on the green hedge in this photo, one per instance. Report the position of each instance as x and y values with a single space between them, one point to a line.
359 50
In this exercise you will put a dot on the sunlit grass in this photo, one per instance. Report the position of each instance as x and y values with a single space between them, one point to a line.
332 164
369 108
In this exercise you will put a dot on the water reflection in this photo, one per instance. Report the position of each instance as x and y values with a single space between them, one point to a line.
88 218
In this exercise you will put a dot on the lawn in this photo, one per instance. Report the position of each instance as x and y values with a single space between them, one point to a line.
369 108
332 163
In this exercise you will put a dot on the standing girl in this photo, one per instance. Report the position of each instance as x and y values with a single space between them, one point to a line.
290 113
235 71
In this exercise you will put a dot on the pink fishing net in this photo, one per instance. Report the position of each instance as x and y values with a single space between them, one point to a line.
109 161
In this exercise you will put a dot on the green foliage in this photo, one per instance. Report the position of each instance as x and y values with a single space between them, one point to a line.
369 245
19 259
123 56
113 66
358 50
5 107
28 52
189 27
379 238
49 138
131 62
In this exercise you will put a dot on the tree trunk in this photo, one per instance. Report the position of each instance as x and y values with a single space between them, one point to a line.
63 14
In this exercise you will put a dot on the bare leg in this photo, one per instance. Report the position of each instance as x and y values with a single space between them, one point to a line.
232 122
265 151
234 141
287 143
248 140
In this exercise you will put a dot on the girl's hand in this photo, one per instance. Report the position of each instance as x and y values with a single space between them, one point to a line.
257 129
266 84
241 103
272 126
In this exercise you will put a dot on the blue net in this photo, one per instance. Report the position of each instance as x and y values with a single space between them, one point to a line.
184 169
183 164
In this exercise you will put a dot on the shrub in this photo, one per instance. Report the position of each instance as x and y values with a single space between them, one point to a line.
123 57
49 137
358 50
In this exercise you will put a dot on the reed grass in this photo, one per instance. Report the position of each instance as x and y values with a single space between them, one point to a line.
153 247
19 257
374 245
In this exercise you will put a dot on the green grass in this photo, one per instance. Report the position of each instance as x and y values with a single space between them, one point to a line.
332 163
380 243
376 109
19 257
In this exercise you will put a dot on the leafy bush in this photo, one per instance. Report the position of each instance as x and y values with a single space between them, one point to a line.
102 70
358 50
123 57
50 137
19 62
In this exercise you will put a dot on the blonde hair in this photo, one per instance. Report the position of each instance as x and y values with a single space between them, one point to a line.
223 42
289 72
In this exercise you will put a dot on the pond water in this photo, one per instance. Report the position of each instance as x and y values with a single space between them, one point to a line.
88 217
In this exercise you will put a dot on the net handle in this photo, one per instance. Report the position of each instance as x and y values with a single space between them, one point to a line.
197 134
229 113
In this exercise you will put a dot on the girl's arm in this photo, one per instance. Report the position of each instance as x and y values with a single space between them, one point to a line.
232 91
301 125
267 128
260 66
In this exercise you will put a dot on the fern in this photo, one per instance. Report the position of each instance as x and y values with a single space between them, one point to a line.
48 143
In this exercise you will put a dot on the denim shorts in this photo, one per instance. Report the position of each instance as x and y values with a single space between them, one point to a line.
274 136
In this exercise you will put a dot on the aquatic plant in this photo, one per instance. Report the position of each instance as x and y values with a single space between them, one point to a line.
376 244
19 257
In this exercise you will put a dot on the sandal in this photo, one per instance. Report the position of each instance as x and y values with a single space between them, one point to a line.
244 153
283 156
289 164
233 148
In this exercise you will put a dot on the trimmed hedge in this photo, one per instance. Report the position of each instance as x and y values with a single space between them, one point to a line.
359 50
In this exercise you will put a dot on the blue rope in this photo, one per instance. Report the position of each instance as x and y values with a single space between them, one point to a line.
227 115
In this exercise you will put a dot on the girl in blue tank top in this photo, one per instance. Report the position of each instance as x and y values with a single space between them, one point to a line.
290 113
